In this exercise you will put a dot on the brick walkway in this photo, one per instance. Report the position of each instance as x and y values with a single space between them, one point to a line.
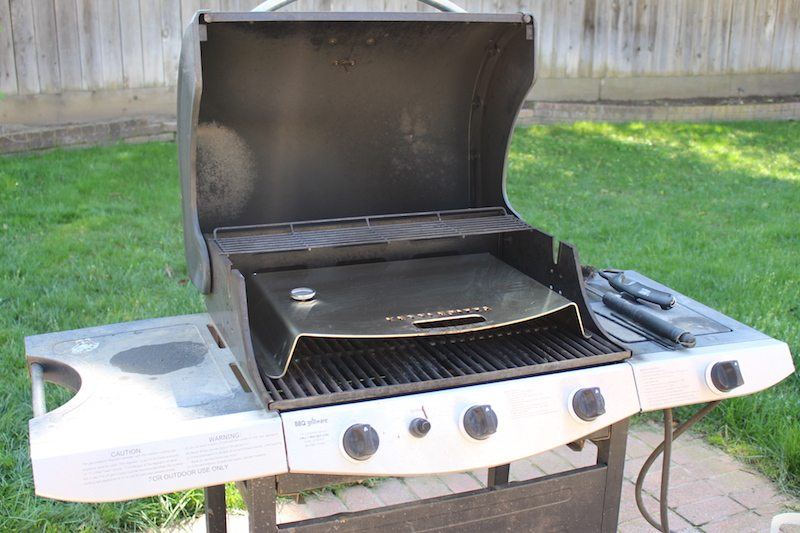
709 491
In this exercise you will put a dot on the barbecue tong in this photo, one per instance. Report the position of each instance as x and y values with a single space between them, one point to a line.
631 292
637 291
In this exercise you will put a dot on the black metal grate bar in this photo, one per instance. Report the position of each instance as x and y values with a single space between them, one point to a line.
326 370
366 230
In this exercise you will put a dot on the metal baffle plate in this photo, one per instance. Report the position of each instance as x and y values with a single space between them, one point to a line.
303 294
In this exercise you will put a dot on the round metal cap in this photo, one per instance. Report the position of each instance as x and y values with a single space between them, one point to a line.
302 294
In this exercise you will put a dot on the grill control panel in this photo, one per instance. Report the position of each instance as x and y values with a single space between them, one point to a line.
458 429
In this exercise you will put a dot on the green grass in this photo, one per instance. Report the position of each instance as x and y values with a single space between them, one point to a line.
712 210
94 236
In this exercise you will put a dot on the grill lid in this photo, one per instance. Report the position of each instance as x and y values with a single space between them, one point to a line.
413 298
287 117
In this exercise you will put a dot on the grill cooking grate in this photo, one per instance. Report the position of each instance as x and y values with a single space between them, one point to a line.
326 371
366 230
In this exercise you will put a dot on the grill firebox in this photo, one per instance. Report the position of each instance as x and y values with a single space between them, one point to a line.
327 371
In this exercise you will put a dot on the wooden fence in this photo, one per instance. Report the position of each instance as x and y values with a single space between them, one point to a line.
51 47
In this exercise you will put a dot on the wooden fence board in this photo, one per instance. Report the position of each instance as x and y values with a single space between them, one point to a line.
698 53
777 63
44 23
171 34
794 24
720 17
152 57
8 70
549 24
600 41
574 37
644 36
665 36
24 37
91 44
764 33
69 46
130 25
108 12
587 31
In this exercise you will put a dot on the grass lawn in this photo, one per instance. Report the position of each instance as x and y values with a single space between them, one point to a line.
94 236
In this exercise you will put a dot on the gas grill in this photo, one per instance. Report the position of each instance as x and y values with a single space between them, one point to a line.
374 304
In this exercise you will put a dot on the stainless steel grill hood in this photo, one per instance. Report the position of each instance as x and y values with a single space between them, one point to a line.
285 117
363 156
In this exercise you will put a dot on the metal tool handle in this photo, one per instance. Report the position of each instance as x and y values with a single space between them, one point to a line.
639 291
38 401
656 324
441 5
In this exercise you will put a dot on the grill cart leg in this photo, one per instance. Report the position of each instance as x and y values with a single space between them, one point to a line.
498 475
584 499
260 497
611 452
215 509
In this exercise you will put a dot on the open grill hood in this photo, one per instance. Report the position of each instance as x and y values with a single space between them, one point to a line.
286 117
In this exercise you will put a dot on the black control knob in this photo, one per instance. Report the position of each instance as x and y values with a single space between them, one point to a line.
726 376
361 441
480 422
588 404
419 427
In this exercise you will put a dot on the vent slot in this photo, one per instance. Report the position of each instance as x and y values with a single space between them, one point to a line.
240 378
451 321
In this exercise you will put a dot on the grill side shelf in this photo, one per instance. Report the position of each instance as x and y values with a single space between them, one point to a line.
272 238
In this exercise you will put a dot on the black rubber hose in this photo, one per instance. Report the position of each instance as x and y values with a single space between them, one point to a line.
665 447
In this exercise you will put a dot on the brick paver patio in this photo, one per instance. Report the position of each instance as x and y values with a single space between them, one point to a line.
709 490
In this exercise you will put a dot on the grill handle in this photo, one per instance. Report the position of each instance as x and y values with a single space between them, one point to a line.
38 401
441 5
449 321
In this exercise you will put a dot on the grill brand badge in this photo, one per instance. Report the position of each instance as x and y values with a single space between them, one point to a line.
440 314
308 422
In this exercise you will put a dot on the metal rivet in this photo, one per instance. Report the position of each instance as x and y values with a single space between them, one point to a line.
303 294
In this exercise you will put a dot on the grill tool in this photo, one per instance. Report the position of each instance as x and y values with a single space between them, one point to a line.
648 320
637 291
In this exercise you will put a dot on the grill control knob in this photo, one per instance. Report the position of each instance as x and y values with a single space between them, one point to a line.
480 422
588 404
725 376
419 427
360 441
